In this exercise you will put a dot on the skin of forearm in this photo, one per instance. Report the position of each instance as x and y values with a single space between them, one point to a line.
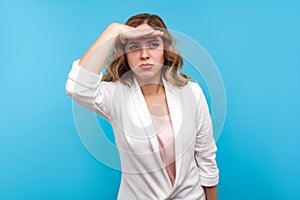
96 55
211 193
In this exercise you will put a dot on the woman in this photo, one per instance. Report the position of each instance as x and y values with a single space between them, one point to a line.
160 119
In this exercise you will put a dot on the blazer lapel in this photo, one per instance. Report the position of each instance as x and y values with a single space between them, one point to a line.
174 105
145 120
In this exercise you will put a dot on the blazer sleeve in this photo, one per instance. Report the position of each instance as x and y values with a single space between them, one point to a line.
205 147
87 89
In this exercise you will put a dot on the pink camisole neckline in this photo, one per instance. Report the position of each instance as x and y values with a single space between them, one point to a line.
165 136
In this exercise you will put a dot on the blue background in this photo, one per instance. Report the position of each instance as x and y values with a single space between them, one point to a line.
255 44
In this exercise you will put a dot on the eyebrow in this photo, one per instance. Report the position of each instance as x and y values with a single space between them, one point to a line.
153 40
149 41
130 43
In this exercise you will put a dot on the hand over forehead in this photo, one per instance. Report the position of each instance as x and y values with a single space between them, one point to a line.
139 33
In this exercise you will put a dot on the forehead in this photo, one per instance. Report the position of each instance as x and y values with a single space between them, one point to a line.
144 26
145 40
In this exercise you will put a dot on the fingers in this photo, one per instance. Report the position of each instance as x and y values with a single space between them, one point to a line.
123 39
138 33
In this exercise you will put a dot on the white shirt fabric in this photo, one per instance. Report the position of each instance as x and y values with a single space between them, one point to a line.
144 176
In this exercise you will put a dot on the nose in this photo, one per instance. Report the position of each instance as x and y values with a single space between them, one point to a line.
144 53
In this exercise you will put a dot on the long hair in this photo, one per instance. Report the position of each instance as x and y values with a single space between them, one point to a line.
117 67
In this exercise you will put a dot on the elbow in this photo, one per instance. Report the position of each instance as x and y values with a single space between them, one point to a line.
69 87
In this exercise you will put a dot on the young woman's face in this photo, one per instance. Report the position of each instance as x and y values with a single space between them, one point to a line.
145 55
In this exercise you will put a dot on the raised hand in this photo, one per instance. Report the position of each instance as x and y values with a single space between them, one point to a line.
128 32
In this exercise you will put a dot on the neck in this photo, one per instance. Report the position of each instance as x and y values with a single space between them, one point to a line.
151 88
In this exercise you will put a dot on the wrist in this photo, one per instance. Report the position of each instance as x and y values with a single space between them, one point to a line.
115 29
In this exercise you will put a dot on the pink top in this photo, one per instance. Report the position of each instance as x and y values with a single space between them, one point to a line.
165 136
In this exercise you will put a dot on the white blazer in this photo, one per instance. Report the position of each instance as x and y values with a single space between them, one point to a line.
143 174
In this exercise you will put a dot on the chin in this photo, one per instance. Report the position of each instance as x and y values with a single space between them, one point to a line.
146 76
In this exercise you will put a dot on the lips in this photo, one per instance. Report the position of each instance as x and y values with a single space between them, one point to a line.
145 66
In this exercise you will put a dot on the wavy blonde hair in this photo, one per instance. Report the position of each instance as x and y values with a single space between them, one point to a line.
117 67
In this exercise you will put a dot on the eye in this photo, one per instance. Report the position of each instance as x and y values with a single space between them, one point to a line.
154 45
133 47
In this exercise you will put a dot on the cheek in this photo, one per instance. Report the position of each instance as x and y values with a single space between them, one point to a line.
131 59
159 56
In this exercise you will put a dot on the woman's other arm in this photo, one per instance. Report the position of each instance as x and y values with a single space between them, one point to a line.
205 149
211 193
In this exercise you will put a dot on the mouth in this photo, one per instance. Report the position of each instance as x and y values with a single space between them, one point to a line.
145 66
